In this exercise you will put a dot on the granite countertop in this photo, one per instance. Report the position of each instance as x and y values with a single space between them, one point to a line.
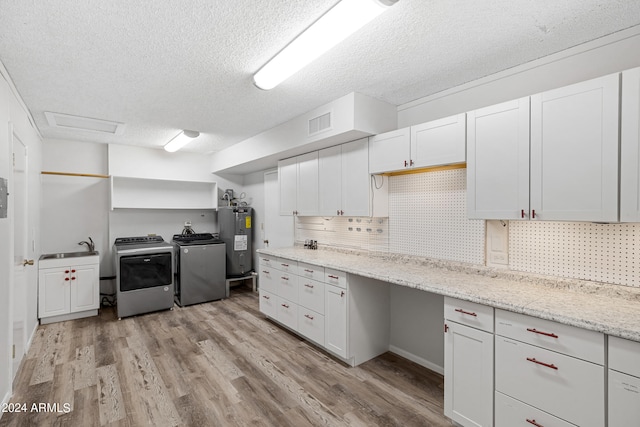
611 309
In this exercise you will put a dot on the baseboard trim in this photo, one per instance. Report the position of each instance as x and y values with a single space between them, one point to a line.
417 359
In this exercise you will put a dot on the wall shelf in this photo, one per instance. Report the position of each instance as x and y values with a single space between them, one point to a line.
147 193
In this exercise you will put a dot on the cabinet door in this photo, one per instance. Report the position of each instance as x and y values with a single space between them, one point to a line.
630 147
330 181
390 151
624 400
268 304
439 142
468 375
574 152
307 189
287 180
336 320
53 292
498 161
355 178
84 288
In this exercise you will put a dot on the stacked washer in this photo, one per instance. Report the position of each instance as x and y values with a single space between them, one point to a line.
144 275
200 270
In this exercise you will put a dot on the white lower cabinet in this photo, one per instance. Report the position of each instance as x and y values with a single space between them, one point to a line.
513 413
336 320
562 375
468 363
68 291
624 382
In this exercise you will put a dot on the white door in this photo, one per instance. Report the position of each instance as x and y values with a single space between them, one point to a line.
390 151
630 147
330 181
336 320
355 178
287 188
20 249
307 189
277 229
439 142
468 375
574 152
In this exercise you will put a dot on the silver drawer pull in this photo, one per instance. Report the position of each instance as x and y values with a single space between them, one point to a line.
548 365
265 271
308 317
309 286
459 310
547 334
308 271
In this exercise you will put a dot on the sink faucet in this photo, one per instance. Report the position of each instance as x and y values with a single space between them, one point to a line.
90 245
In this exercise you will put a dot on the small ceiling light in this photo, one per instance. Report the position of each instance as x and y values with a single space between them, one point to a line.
182 139
337 24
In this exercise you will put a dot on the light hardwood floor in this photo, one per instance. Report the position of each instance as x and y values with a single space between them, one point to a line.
213 364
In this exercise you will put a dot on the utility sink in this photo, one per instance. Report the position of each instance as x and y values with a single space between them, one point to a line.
67 259
62 255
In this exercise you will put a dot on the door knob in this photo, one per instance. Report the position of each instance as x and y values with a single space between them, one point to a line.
27 262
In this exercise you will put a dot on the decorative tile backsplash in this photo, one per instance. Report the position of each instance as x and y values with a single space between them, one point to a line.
357 233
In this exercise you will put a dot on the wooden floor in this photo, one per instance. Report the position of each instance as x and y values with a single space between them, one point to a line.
213 364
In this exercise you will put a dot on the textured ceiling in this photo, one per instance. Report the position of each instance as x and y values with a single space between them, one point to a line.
165 65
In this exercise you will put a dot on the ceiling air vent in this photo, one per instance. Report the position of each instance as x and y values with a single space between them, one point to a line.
69 122
320 124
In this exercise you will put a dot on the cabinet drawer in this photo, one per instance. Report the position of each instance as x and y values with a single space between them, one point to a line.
287 313
469 313
513 413
624 356
268 261
287 266
268 303
335 277
310 271
566 387
268 277
565 339
624 400
311 325
311 294
287 286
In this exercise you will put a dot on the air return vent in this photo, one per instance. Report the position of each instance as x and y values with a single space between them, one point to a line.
320 124
69 122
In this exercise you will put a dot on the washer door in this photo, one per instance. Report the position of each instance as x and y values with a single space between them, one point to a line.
145 271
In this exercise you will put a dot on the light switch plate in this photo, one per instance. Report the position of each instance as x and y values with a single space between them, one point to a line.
4 196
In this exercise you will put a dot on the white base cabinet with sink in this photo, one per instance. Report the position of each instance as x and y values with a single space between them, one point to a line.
348 317
68 288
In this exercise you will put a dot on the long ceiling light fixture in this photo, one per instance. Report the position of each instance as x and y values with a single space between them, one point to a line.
337 24
182 139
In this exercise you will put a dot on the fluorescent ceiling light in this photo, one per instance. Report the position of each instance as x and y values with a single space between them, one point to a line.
337 24
180 140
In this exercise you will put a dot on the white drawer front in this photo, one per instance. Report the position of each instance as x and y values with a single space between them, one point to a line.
565 339
469 313
513 413
268 304
335 277
624 400
287 266
569 388
311 325
287 313
311 294
310 271
267 279
287 286
624 356
268 261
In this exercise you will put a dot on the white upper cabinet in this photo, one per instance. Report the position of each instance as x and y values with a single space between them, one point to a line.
288 182
574 152
307 190
630 147
356 181
390 151
330 181
439 142
498 161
